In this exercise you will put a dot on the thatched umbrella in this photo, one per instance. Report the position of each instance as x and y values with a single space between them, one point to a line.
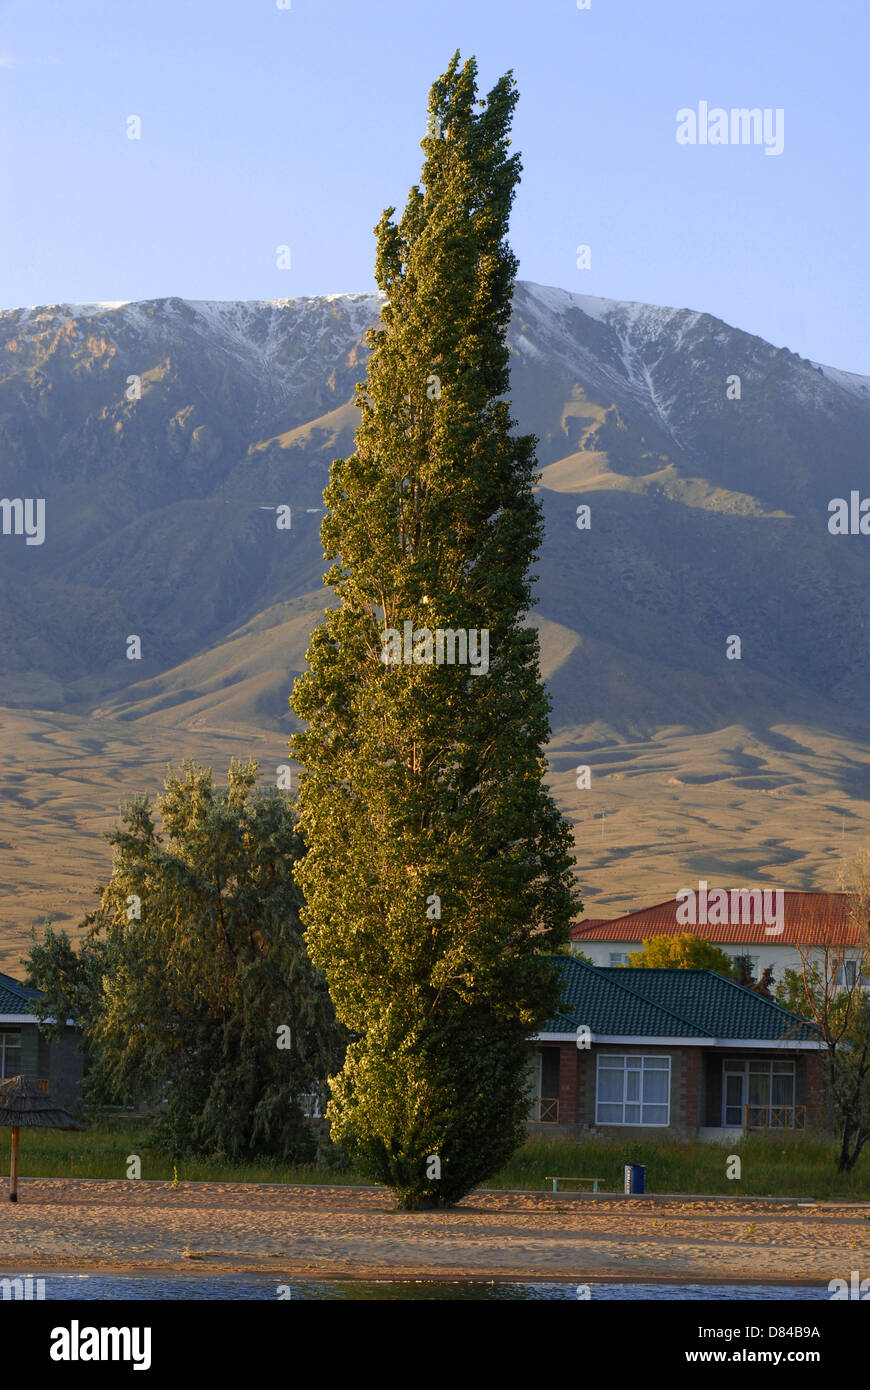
23 1103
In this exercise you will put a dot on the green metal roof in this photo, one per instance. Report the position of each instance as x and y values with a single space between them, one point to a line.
607 1006
622 1001
15 998
727 1009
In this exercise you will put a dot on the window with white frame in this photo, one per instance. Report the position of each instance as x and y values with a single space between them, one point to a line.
848 974
619 957
632 1089
10 1054
763 1084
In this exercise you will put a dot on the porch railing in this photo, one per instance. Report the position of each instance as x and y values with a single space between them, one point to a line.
545 1110
44 1084
774 1116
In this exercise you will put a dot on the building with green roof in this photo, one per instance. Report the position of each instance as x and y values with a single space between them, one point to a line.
54 1065
687 1051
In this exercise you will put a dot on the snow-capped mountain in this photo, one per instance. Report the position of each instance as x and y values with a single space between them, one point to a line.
160 434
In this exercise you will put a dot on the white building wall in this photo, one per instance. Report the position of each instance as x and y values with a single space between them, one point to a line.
762 953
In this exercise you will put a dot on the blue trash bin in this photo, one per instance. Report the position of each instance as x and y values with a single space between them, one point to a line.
635 1178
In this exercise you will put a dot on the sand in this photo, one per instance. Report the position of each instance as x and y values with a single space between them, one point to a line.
343 1232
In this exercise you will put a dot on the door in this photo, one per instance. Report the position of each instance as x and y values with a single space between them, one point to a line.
734 1097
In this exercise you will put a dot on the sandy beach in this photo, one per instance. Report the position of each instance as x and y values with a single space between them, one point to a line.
344 1232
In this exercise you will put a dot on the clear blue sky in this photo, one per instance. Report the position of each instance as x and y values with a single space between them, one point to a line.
263 126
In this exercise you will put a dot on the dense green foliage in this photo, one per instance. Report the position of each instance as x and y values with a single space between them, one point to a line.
438 869
192 963
796 989
684 952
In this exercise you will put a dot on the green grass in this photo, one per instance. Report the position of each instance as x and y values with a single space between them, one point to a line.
770 1166
103 1149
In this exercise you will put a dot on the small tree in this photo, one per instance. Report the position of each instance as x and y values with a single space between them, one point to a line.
685 952
192 980
838 1002
798 988
842 1012
742 974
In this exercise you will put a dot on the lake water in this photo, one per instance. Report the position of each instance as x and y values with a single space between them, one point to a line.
235 1287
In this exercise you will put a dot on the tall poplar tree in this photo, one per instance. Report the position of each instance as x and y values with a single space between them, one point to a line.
438 872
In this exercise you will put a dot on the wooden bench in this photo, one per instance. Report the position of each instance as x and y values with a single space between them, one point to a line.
556 1181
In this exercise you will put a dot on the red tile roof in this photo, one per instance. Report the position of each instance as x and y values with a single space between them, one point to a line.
580 928
809 919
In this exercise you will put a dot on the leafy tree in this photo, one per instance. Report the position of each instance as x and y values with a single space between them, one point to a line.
742 973
820 991
684 952
797 988
193 964
842 1013
438 872
69 978
846 1030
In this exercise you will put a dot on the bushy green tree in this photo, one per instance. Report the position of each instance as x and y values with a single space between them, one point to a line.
842 1014
438 870
684 952
742 973
193 969
797 988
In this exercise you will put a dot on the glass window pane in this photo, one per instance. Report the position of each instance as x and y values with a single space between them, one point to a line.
634 1062
759 1089
610 1085
632 1114
609 1115
783 1090
632 1085
655 1088
734 1114
655 1114
10 1054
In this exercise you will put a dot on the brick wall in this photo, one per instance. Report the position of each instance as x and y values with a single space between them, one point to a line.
814 1093
30 1052
688 1102
696 1088
569 1067
66 1071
